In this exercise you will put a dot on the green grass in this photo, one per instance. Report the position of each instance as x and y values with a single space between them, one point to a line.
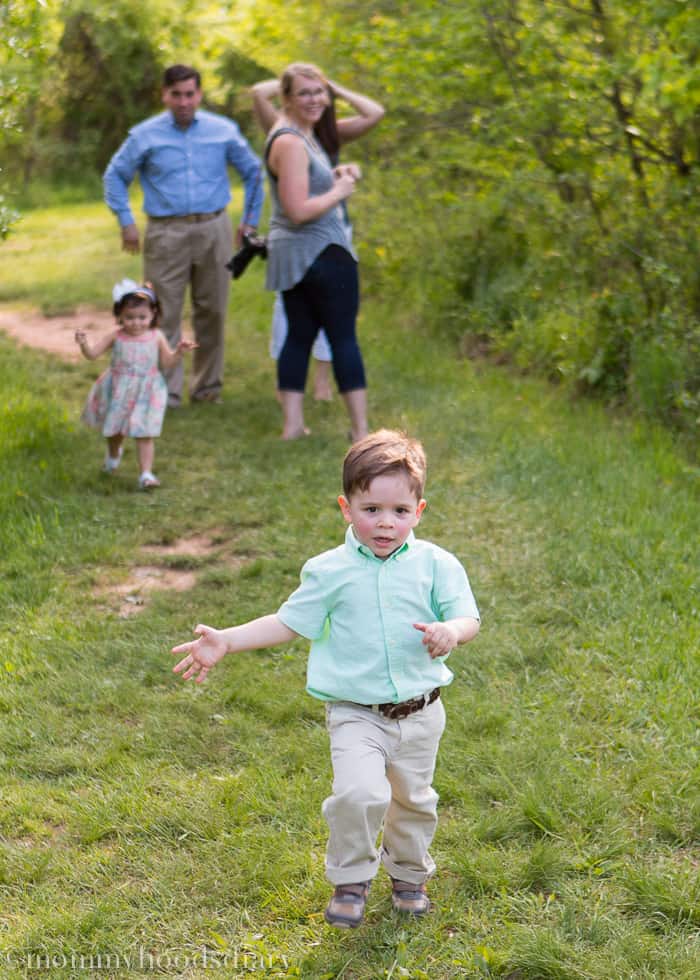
148 819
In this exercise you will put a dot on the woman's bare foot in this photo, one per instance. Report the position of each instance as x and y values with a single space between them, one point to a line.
356 402
354 435
293 408
298 434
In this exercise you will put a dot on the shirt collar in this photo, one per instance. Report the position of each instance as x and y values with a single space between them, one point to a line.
195 120
352 544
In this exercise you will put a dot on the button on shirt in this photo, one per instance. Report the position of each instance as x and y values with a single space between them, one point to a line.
183 171
358 610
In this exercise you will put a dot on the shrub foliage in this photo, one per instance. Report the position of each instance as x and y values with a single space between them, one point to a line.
532 189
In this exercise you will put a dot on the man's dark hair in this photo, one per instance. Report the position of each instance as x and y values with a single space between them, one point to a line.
180 73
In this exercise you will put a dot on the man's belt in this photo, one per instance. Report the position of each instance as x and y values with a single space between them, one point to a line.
188 218
405 708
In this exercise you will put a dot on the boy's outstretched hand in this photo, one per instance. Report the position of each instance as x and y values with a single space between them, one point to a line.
201 654
439 638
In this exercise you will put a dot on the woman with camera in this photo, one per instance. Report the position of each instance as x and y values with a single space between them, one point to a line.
309 259
331 133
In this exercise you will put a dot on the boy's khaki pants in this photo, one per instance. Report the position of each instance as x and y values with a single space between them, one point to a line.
382 772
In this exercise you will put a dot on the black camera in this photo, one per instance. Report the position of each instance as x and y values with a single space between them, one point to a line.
252 245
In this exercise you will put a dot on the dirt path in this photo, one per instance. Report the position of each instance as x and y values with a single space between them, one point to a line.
55 334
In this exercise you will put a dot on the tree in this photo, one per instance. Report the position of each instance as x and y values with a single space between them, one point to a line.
110 72
22 57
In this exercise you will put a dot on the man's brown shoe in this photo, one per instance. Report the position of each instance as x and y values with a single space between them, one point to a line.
211 397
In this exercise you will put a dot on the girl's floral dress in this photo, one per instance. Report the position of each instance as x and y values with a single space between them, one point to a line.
130 397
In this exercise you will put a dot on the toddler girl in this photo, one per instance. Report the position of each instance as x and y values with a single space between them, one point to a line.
130 397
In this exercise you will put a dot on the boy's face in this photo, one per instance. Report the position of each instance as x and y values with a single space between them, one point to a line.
384 514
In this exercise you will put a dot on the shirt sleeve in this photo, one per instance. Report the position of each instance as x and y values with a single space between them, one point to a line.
306 610
452 593
117 178
249 167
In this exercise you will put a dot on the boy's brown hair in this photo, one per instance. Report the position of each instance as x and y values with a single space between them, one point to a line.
381 452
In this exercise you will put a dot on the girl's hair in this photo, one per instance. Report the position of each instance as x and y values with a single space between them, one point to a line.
380 453
144 294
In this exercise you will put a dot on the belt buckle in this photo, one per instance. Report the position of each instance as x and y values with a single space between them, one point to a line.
386 710
403 709
395 712
206 216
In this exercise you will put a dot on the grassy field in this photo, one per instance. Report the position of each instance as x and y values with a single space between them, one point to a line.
148 826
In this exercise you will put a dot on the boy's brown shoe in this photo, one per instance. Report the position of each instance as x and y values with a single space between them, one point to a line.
409 898
347 905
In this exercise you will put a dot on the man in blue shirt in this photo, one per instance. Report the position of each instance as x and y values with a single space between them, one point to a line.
182 157
382 611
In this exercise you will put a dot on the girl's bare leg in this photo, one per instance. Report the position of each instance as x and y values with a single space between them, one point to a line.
147 451
114 444
323 392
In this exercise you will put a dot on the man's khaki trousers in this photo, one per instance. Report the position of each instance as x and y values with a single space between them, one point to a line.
382 774
192 251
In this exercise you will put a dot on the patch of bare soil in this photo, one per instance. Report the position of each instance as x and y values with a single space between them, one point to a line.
195 546
55 334
143 579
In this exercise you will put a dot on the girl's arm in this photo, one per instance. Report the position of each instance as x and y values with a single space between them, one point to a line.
169 357
93 351
263 109
204 653
289 163
369 113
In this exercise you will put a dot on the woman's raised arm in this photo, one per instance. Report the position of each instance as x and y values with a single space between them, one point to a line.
369 113
264 108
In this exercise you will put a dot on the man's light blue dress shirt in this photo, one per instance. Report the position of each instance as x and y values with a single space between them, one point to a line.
183 171
358 610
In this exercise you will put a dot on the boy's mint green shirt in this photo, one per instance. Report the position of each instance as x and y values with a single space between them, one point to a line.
358 611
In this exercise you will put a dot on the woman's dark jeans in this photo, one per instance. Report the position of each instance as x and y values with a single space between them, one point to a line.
328 296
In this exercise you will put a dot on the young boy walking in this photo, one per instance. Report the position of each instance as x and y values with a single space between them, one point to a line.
382 612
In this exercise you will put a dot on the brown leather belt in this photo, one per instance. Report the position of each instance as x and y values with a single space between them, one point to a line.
190 219
405 708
